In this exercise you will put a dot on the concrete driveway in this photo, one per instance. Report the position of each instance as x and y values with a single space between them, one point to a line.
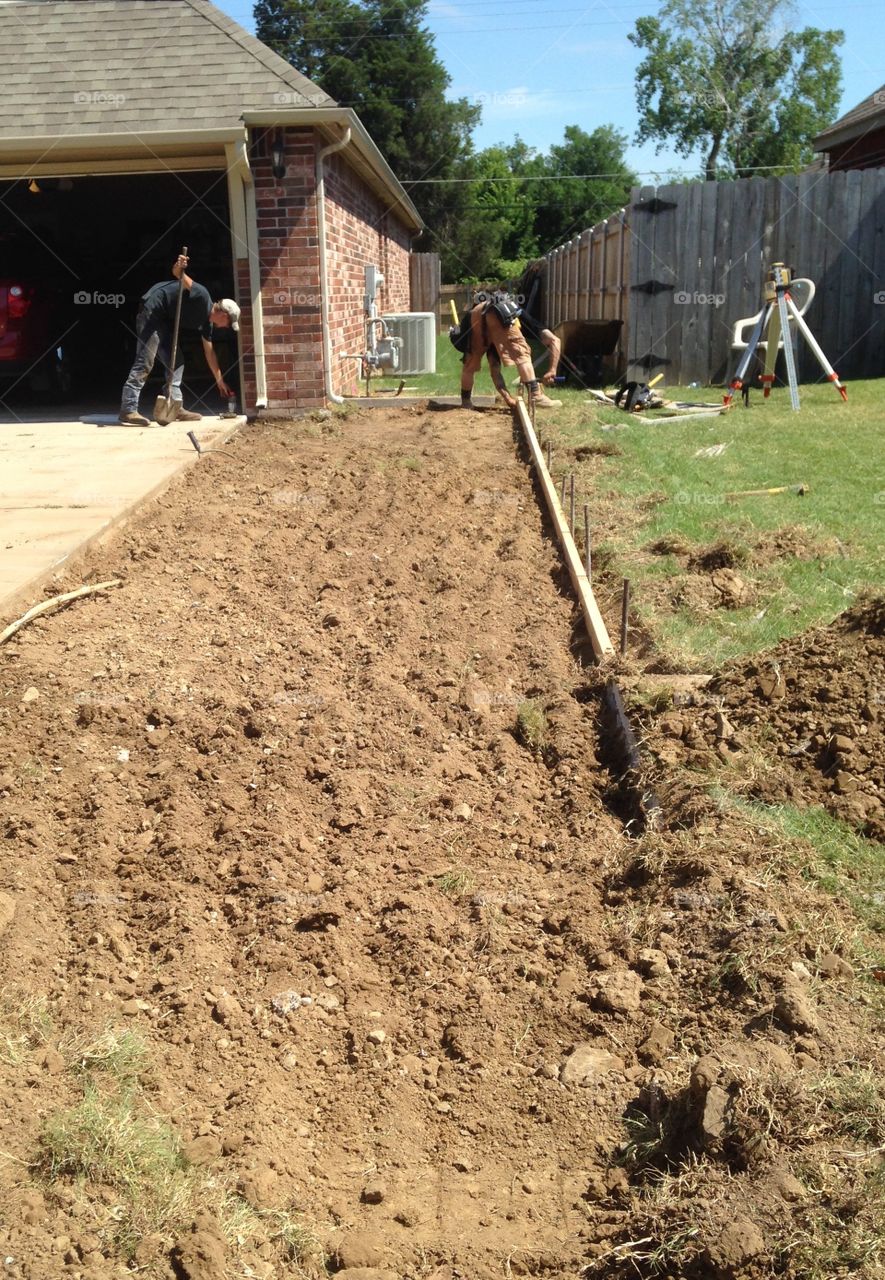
65 481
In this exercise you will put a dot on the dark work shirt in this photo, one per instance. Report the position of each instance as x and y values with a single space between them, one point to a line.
196 303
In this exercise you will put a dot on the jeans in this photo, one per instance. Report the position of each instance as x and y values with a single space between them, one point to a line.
154 341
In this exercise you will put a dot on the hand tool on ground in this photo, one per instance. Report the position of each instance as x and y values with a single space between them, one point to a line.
801 489
165 408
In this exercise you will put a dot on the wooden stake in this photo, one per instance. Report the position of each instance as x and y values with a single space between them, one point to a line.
596 628
587 562
625 607
571 503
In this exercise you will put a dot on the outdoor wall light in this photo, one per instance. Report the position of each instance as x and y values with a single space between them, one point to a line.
277 156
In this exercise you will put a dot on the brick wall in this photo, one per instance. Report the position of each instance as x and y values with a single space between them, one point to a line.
359 230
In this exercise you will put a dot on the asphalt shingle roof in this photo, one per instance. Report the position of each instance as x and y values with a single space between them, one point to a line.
866 115
135 66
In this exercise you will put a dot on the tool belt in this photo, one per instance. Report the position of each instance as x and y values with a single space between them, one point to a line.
504 308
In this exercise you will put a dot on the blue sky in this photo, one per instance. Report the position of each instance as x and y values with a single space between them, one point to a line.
537 66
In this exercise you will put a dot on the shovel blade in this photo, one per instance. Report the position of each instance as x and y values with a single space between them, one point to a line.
165 410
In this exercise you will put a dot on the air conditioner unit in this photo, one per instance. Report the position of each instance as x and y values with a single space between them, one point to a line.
418 332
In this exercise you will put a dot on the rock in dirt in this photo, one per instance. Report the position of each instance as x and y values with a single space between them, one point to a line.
794 1007
373 1193
829 965
259 1187
735 1245
618 991
714 1118
7 911
652 963
203 1150
587 1064
30 695
786 1185
199 1256
656 1045
360 1249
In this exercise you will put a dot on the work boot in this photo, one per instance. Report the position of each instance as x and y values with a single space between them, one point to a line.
133 420
542 401
185 415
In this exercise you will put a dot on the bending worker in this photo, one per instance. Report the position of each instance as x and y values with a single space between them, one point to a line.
153 329
495 330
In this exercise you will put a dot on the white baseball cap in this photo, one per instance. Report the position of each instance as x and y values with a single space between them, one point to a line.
228 305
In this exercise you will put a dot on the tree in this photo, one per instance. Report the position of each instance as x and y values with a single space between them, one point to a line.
588 181
731 78
377 57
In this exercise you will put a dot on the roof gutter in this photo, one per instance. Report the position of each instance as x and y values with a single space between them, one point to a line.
338 145
336 120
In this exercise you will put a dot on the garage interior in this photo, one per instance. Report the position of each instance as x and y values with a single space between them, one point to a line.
92 246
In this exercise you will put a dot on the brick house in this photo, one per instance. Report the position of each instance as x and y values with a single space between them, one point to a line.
130 127
857 139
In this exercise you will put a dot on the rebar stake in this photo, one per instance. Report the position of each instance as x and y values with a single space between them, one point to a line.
625 606
571 503
562 494
549 455
587 543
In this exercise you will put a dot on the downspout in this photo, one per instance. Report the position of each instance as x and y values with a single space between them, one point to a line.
241 160
324 282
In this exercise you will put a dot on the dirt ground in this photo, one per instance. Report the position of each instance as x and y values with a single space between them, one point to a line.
806 717
312 802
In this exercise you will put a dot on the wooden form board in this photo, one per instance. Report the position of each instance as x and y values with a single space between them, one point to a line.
596 628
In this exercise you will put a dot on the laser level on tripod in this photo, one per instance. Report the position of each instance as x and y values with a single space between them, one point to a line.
772 330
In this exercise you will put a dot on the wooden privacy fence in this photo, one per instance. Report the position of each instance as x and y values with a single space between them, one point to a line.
684 262
424 281
588 278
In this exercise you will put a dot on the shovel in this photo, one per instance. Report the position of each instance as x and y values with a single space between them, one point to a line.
165 408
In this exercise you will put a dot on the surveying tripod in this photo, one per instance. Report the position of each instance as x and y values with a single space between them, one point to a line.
774 322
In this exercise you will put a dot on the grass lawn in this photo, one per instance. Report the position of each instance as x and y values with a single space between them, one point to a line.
803 559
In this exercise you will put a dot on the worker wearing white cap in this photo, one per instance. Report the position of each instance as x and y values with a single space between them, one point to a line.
153 328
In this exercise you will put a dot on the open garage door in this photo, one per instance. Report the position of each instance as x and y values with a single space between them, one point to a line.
76 255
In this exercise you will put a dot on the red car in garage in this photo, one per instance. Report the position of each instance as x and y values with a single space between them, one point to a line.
35 321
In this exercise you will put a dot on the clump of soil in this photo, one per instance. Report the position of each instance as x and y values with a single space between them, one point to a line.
722 589
597 449
721 555
794 542
813 707
671 544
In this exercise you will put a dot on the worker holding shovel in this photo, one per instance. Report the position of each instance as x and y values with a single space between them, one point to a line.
166 307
